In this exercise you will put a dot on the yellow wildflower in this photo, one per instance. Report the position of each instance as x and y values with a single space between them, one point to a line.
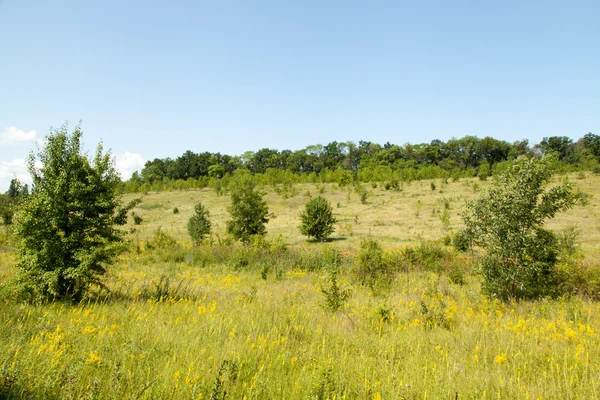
94 358
500 358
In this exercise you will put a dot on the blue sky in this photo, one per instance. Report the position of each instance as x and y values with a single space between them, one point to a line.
157 78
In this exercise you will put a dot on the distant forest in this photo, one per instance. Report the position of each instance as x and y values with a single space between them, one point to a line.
346 162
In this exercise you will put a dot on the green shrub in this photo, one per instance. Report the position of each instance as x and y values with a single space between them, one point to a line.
335 294
507 222
578 277
317 219
137 220
249 212
393 185
461 241
161 240
10 201
67 228
199 225
426 257
484 171
240 260
456 274
7 216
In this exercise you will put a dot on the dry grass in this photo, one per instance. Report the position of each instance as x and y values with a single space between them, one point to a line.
394 218
222 332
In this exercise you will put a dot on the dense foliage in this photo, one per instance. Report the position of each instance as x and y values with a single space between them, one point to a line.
508 223
344 162
317 219
17 193
248 211
66 228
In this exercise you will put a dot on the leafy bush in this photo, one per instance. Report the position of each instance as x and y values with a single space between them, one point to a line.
456 274
161 240
249 212
393 185
66 228
9 202
168 249
7 216
426 257
507 222
461 241
483 171
578 277
240 260
199 225
317 219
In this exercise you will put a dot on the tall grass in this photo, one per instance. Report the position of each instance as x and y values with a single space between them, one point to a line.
226 320
232 332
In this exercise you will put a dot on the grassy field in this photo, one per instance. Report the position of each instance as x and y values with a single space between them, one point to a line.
199 324
395 218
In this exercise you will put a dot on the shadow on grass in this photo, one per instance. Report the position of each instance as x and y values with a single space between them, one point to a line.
328 240
11 389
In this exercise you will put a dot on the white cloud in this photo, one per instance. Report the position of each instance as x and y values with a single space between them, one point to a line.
10 169
13 135
127 163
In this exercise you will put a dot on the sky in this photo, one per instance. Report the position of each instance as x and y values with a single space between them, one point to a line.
152 79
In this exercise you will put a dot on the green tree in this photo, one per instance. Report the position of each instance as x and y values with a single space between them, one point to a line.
16 190
199 224
484 170
591 143
563 146
507 222
317 219
6 209
248 211
9 202
66 228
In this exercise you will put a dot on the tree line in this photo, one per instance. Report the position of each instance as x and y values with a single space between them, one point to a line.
344 162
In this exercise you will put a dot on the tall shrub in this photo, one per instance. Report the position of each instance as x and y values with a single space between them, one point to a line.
66 228
317 219
199 225
507 221
248 211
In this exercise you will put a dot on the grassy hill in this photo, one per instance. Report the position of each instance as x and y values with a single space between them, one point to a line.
232 321
395 218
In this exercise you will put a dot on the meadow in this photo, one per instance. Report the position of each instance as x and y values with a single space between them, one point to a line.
227 320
